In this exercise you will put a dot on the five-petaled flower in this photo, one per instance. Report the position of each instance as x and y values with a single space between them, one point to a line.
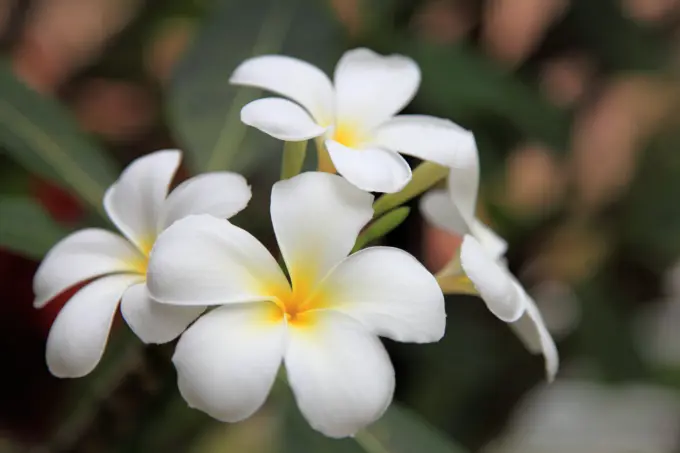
354 115
481 257
323 324
138 206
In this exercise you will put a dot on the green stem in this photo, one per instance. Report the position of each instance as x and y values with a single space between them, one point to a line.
426 175
381 227
293 158
324 162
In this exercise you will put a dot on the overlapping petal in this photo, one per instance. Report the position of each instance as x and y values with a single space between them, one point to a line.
437 208
340 374
220 194
370 169
454 210
298 80
153 322
494 245
79 334
494 283
317 218
371 88
390 293
531 329
281 119
81 256
202 260
227 361
134 202
433 139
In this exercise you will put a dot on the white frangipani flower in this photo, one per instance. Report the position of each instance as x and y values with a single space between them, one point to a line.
323 325
354 115
481 257
139 205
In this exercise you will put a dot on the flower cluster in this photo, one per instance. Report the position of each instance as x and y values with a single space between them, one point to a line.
181 269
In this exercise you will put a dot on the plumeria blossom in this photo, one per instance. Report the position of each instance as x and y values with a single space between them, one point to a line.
115 266
353 116
481 258
323 324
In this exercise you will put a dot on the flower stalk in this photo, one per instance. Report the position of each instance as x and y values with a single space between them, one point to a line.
426 175
293 158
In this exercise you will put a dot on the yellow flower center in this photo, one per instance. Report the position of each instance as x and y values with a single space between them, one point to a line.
140 261
348 135
297 304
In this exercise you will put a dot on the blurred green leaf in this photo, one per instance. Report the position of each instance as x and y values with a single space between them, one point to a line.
205 109
460 83
43 137
622 44
27 228
400 430
651 215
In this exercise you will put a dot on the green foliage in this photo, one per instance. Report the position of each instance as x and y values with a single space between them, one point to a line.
398 431
43 137
204 109
26 228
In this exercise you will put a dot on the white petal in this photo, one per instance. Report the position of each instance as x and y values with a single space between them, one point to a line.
390 292
153 322
439 210
133 203
494 283
317 218
81 256
220 194
494 245
340 373
78 336
295 79
463 186
531 329
281 119
372 170
227 361
428 138
371 88
203 260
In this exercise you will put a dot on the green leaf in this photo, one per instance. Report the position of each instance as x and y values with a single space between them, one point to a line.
42 136
204 108
461 84
622 45
398 431
381 227
26 228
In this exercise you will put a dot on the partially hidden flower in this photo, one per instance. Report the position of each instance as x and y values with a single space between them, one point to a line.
323 324
353 116
481 258
114 266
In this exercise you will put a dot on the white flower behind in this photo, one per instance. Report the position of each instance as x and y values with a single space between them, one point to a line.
481 257
323 325
580 416
139 205
354 115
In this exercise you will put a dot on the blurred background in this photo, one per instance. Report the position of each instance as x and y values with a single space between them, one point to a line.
575 106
